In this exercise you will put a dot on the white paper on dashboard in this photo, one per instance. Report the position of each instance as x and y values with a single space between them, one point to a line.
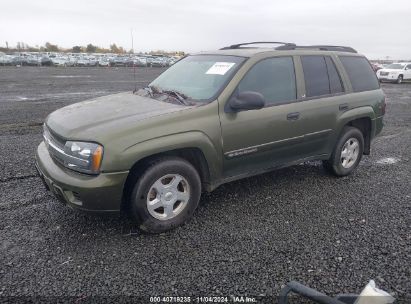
220 68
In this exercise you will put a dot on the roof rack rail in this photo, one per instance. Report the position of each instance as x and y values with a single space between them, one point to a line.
337 48
237 46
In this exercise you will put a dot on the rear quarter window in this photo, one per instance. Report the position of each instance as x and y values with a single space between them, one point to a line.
360 73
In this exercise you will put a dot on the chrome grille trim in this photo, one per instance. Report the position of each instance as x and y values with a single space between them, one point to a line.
56 151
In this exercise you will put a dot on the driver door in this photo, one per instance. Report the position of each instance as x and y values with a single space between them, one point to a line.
256 140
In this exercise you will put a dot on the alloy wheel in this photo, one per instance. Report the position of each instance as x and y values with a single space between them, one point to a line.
168 197
350 152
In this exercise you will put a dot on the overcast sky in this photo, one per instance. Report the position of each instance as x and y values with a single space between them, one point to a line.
376 28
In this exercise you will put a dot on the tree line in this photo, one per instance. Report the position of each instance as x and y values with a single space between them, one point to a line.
89 48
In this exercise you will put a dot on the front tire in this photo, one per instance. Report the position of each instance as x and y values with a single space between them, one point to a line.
347 153
399 79
166 195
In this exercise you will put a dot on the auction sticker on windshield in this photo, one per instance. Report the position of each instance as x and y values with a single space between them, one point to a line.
220 68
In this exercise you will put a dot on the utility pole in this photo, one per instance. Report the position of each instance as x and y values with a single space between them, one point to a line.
132 40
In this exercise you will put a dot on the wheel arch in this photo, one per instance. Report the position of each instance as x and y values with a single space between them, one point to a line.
193 155
364 125
361 118
194 147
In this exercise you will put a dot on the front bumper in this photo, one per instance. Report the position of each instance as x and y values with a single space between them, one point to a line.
389 77
103 192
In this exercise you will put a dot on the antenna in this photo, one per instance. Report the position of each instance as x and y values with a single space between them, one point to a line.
134 66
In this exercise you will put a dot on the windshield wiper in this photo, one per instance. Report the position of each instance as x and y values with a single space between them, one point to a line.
180 97
149 90
154 89
177 95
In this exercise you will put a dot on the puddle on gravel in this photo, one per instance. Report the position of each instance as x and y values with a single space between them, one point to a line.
388 161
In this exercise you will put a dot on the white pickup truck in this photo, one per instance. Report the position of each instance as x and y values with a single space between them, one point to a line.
395 72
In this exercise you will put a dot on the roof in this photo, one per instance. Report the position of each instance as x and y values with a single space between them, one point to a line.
248 50
243 52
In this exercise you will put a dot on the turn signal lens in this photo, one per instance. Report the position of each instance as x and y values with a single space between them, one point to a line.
96 160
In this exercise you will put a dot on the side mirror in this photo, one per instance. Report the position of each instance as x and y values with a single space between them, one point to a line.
247 100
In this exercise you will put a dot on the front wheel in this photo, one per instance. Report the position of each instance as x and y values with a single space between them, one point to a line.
399 79
166 195
347 153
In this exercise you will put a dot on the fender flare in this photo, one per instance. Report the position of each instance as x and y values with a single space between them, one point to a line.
353 114
191 139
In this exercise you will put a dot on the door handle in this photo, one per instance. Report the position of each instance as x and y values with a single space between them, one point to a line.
293 116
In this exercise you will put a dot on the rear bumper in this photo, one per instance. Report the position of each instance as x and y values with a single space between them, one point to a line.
101 193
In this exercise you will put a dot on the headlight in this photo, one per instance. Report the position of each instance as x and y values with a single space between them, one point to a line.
83 156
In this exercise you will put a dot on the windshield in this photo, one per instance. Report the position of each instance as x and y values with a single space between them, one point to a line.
199 77
395 66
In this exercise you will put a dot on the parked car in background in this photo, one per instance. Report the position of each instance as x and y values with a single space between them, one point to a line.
376 67
83 62
59 61
395 72
140 61
6 60
172 61
33 61
121 61
92 61
45 60
71 61
18 60
159 62
86 59
103 61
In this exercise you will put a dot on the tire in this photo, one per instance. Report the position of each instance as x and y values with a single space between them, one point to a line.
347 153
399 79
172 185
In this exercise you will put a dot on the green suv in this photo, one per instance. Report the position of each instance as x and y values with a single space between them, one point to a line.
211 118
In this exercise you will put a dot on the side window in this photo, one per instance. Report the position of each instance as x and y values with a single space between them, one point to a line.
360 73
315 76
409 67
274 78
335 79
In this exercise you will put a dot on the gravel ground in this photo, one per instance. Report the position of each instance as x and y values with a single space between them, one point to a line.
247 238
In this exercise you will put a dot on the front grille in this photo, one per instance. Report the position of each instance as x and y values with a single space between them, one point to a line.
56 138
384 73
55 144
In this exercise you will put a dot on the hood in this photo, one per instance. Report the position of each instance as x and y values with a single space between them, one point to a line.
85 120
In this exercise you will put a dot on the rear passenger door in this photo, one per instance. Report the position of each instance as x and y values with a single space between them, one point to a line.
323 101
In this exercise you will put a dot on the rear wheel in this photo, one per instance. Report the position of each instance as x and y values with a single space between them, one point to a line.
399 79
166 195
347 153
